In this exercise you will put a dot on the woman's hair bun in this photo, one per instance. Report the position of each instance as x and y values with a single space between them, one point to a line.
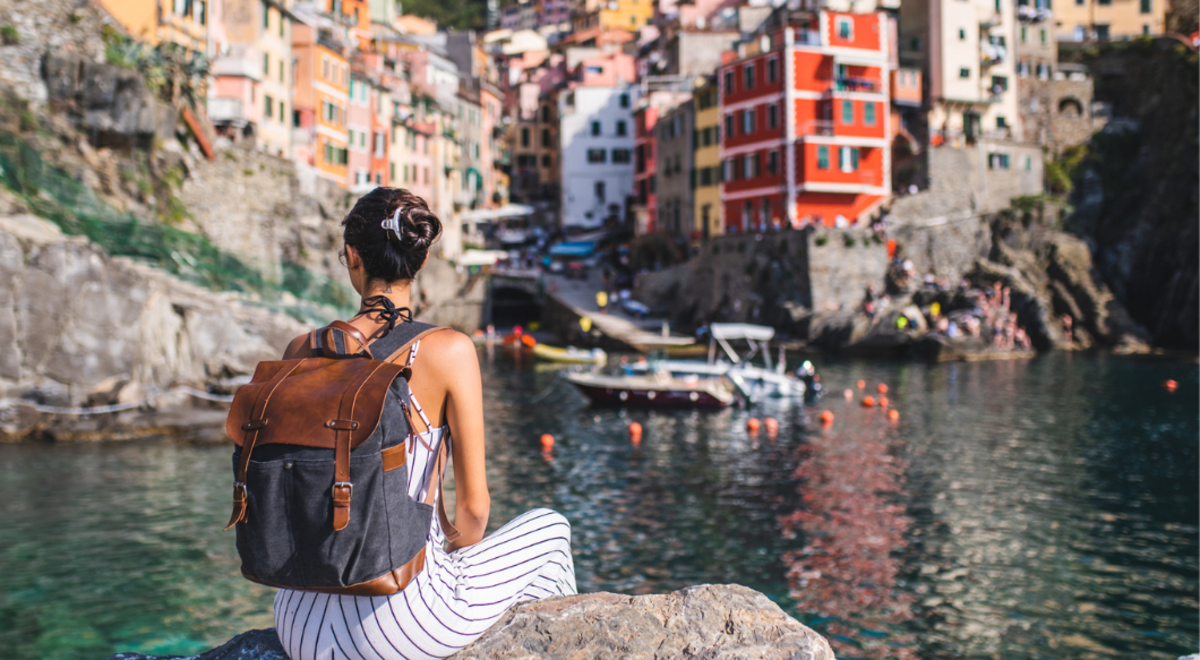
387 256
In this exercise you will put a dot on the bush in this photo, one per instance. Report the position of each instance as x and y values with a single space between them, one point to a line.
848 240
9 35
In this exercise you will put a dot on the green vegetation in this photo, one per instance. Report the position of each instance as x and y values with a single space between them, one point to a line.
75 208
173 73
1060 173
9 35
821 240
453 14
848 240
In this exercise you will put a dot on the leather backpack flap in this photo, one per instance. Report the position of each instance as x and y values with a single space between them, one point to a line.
309 407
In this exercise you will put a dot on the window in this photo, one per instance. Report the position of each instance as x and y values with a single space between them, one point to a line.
268 106
266 64
1028 164
546 137
596 155
282 111
747 213
964 73
524 136
282 23
848 159
728 82
624 100
845 29
1102 32
1001 122
621 127
727 170
621 156
705 176
600 192
595 128
962 34
748 121
1146 6
546 159
281 71
822 157
1043 71
998 161
772 70
868 114
751 166
729 125
999 84
545 114
266 16
848 113
201 13
1023 69
1024 34
772 162
915 43
773 116
749 71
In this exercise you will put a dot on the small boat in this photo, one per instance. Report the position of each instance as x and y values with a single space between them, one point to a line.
570 354
752 380
659 390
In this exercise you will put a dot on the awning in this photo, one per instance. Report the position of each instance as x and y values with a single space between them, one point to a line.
577 249
480 257
741 331
506 211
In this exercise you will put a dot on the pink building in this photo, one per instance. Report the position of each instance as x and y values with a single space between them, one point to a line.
359 134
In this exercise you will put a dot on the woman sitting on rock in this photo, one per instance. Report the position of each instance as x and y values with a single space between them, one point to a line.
462 590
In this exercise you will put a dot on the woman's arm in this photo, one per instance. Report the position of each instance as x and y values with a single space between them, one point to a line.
458 367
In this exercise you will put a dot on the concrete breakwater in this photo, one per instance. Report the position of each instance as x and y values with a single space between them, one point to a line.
705 621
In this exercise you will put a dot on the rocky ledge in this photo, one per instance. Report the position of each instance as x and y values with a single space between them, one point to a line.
709 622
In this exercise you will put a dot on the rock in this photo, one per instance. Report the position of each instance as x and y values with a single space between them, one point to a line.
705 622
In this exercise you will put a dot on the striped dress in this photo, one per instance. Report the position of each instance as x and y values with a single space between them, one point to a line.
450 603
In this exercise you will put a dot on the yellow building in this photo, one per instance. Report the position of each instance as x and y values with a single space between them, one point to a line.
706 159
1083 20
629 15
184 22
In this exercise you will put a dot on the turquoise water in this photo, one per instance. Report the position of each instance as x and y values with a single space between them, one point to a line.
1033 509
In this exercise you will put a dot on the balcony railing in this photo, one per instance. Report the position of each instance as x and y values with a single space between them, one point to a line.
808 38
857 85
226 110
822 127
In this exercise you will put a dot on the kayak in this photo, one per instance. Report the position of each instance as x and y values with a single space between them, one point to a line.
570 354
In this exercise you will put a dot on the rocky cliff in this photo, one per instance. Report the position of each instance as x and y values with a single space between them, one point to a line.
706 622
1137 193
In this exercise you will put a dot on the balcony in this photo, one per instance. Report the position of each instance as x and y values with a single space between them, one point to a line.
820 127
846 84
991 54
227 112
807 37
1027 14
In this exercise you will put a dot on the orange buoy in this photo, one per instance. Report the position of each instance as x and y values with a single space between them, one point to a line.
827 418
894 415
635 433
547 441
528 340
1170 386
752 425
883 402
868 402
772 425
849 394
861 384
882 388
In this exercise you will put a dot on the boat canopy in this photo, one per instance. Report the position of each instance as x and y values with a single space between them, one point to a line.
741 331
506 211
576 249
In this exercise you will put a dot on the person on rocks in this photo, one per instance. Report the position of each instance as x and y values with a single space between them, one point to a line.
464 587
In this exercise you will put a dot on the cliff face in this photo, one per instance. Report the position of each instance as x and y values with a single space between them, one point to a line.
1137 195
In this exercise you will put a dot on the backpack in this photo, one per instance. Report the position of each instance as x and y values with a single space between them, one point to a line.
320 497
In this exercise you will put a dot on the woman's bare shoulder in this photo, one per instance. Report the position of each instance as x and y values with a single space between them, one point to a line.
449 346
296 347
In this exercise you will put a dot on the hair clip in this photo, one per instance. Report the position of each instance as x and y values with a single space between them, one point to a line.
392 225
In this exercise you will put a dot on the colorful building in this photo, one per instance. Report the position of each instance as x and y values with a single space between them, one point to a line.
805 133
1101 20
321 96
359 135
630 15
706 197
185 22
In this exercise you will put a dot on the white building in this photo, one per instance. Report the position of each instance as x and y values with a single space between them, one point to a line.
967 49
596 141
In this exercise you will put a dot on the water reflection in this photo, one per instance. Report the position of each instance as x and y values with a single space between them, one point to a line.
853 523
1030 509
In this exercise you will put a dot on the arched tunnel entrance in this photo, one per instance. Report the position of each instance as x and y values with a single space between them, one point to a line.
514 306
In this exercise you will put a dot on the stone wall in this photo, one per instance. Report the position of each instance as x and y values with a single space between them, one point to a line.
766 278
963 184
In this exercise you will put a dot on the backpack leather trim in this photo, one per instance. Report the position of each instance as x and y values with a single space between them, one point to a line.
384 585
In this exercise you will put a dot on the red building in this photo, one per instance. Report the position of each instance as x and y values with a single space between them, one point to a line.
805 122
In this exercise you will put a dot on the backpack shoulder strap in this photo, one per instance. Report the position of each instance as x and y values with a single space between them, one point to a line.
411 346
